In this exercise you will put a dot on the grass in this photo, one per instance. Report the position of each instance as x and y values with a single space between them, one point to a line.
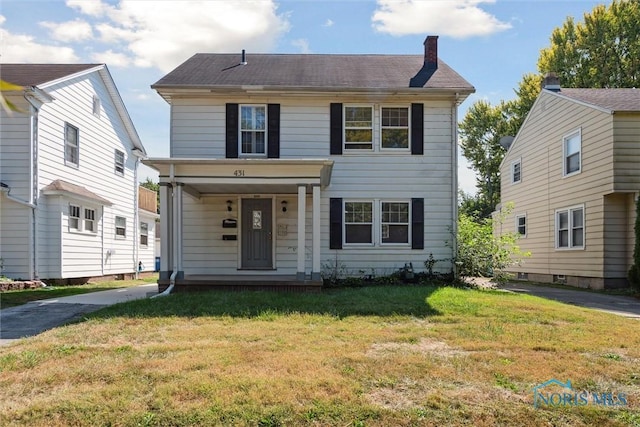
19 297
415 355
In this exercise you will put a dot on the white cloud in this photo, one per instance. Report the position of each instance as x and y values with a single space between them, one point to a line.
76 30
19 48
111 58
301 44
163 34
455 18
328 23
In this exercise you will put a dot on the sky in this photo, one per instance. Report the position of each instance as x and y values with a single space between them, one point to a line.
491 43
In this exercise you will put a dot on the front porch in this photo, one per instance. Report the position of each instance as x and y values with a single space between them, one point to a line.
281 283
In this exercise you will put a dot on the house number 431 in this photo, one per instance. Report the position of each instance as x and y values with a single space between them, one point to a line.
238 172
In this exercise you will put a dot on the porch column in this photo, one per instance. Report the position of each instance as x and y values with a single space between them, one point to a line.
302 195
166 231
177 229
315 269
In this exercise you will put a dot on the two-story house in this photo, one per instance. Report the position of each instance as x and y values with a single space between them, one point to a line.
573 174
285 166
68 176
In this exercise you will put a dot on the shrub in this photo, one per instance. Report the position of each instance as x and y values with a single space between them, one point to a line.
634 271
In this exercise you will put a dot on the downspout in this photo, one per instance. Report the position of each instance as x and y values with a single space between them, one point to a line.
454 184
33 196
136 218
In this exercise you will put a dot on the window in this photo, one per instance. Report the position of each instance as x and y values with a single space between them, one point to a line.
71 145
394 222
516 171
144 234
119 162
74 217
570 228
96 106
253 129
121 227
521 225
90 220
358 128
358 222
572 145
395 127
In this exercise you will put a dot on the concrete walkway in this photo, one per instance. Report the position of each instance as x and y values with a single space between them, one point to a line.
38 316
626 306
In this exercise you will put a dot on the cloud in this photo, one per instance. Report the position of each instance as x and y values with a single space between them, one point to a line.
328 23
163 34
455 18
301 44
111 58
19 48
70 31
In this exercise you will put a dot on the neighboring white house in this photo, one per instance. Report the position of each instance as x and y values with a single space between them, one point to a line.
573 174
68 175
286 165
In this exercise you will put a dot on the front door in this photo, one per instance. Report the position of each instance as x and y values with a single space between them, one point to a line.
256 234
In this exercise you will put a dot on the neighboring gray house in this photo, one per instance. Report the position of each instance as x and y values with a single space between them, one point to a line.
573 174
284 165
68 175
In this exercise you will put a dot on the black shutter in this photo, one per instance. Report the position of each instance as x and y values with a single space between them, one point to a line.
231 151
273 129
417 223
335 121
335 223
417 129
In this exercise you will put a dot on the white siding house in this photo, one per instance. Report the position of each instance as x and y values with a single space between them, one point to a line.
68 174
292 165
577 163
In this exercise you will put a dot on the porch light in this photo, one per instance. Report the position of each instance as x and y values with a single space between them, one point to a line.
229 203
284 205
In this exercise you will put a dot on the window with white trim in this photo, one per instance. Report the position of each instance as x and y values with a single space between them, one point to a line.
394 223
521 225
71 145
90 220
74 217
253 129
516 171
572 152
96 106
144 234
394 127
358 127
358 222
121 227
570 228
118 161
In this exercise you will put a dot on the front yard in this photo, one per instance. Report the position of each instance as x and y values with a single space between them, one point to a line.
378 356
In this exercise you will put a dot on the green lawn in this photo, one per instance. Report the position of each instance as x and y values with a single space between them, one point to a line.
377 356
13 298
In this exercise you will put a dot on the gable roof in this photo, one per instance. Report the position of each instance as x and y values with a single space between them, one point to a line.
611 100
41 76
310 71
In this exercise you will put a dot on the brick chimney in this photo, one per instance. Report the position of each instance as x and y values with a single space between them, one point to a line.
431 52
551 82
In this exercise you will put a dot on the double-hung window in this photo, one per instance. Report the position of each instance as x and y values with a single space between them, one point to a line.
253 129
570 228
516 171
96 106
74 217
394 127
358 128
358 222
394 224
118 162
121 227
521 225
90 220
71 145
572 149
144 234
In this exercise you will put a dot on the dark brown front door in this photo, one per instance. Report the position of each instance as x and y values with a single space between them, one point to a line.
257 252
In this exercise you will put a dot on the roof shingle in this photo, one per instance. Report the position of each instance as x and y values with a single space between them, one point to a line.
615 99
35 74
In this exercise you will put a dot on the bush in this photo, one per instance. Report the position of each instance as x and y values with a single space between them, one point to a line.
482 253
634 271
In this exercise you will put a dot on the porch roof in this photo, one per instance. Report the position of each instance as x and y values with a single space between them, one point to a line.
242 176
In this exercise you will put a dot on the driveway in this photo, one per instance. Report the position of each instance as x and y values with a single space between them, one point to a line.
626 306
38 316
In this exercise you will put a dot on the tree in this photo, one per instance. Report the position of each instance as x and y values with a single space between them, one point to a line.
153 186
7 105
634 271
